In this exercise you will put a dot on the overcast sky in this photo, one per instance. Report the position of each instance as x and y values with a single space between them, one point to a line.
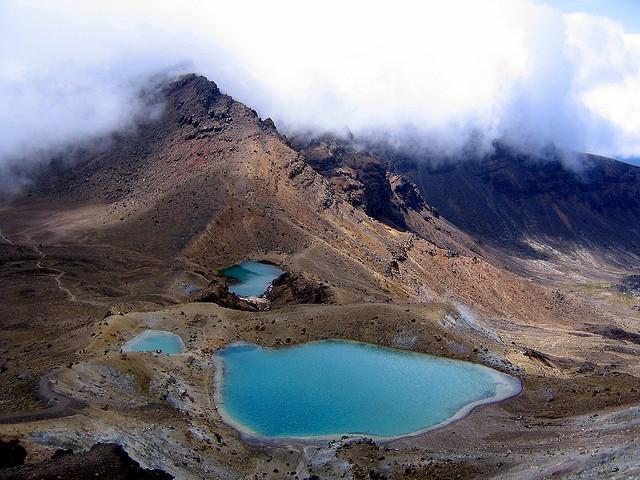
437 72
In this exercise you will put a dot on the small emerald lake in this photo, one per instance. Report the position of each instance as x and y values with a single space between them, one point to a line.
251 279
333 388
153 341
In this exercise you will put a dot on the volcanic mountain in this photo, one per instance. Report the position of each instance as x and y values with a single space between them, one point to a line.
528 209
519 201
505 260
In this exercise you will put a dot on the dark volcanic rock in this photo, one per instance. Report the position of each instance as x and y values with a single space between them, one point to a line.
11 453
288 289
507 198
408 192
294 288
616 333
630 286
362 178
106 461
217 292
531 353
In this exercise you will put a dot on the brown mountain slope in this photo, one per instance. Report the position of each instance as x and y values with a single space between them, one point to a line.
555 218
139 225
210 183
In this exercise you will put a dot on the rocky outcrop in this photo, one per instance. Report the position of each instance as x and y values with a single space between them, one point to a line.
407 192
288 289
101 461
11 453
218 292
630 286
295 288
616 333
360 177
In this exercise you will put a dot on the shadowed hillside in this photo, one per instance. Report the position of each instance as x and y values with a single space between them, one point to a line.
509 199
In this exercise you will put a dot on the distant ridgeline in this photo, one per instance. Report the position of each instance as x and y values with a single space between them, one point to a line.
509 198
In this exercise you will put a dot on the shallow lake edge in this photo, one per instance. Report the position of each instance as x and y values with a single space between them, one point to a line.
250 436
231 281
152 331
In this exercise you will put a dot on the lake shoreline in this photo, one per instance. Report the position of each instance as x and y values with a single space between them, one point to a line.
507 387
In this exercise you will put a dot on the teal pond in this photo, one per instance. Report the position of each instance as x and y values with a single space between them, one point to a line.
332 388
251 279
154 341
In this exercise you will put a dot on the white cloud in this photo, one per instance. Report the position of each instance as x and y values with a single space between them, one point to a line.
442 70
608 81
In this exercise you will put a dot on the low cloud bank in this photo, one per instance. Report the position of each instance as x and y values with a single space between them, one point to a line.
438 74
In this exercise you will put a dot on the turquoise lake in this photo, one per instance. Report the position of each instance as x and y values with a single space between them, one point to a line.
251 279
333 388
155 340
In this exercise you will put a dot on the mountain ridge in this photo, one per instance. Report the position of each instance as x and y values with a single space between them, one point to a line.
132 236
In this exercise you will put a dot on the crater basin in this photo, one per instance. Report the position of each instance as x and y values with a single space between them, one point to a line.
332 388
251 279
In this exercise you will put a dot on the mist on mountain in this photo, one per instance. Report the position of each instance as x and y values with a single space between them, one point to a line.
442 77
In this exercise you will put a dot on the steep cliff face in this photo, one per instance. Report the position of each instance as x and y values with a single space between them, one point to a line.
361 177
